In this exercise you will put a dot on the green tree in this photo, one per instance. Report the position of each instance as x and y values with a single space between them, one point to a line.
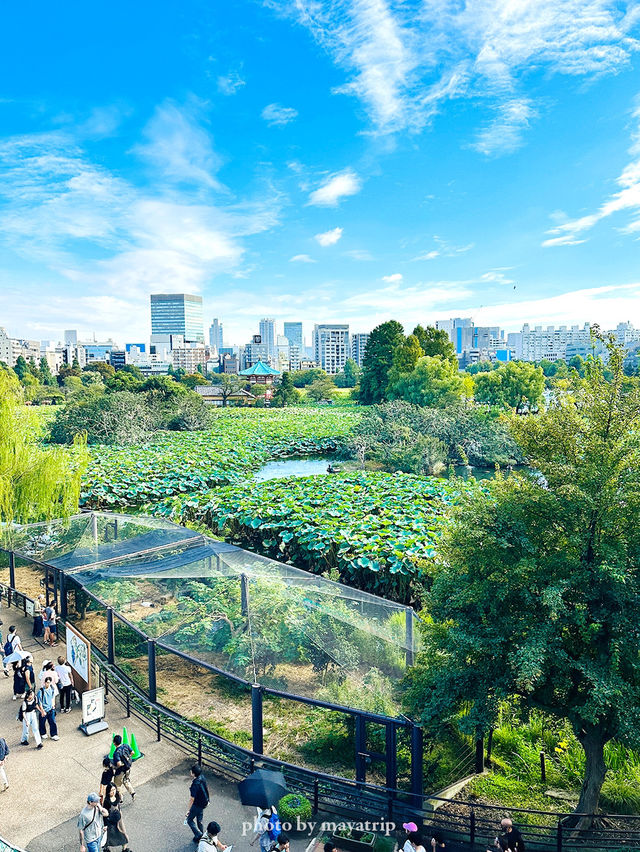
321 389
162 386
487 388
577 363
35 483
435 341
21 368
124 381
286 394
479 367
378 360
435 382
190 380
113 418
302 378
105 370
229 384
522 385
537 589
136 372
46 376
405 358
350 376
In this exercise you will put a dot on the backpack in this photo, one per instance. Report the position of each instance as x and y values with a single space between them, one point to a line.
123 755
8 645
201 799
275 827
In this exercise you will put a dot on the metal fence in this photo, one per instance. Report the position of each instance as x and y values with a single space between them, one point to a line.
471 825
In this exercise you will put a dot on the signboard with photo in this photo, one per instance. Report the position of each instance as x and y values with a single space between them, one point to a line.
79 658
30 607
92 705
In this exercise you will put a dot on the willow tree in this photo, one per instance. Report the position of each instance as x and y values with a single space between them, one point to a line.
537 593
36 482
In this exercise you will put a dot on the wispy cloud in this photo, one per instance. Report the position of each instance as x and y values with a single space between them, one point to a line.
302 258
359 254
335 188
178 148
277 115
627 199
231 83
395 278
403 60
445 249
329 238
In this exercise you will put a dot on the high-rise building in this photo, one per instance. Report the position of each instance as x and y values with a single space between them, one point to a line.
177 313
455 329
268 334
293 333
331 347
358 345
215 335
71 337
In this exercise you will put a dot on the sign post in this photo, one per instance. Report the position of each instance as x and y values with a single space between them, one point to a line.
93 711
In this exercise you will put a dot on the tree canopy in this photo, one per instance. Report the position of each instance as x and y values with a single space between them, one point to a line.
537 589
378 360
434 382
435 341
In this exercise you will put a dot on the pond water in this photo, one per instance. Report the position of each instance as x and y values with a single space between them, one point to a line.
317 465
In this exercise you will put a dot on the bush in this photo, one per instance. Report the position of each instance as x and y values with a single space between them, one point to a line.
294 806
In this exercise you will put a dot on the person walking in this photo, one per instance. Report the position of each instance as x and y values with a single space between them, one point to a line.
46 708
53 624
91 824
19 681
116 832
267 828
210 842
198 801
65 684
516 843
4 751
108 774
12 642
4 665
28 715
27 670
122 761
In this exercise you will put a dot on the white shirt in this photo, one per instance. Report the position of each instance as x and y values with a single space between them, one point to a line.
64 674
15 641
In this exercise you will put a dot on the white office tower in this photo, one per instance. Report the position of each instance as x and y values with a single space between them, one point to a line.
268 335
215 336
331 347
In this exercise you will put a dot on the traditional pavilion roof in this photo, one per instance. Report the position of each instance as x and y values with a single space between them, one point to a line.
259 369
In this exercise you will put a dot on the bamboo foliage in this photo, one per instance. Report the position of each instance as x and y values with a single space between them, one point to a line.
36 482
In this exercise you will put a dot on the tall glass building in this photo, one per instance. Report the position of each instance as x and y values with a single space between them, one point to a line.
293 333
177 313
268 334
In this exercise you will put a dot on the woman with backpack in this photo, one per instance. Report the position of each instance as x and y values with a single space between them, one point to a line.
28 715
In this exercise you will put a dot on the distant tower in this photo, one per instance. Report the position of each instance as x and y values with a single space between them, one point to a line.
268 335
215 335
177 314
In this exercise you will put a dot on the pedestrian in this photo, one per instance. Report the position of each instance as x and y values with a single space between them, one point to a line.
116 832
4 665
4 751
108 774
91 824
267 828
65 684
38 628
27 669
123 760
199 799
46 707
501 844
210 842
411 828
19 682
12 642
53 624
516 843
27 714
282 843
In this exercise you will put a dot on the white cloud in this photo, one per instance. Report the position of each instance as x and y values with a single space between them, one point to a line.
277 115
445 249
335 188
178 148
329 238
496 276
504 133
395 278
403 60
230 83
569 233
302 258
359 254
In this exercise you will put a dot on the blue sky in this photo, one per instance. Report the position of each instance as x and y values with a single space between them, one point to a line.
350 161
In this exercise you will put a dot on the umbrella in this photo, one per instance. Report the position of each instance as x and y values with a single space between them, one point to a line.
14 657
262 788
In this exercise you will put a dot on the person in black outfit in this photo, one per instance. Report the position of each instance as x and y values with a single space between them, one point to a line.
199 800
516 843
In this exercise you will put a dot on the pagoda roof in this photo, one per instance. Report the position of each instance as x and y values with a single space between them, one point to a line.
259 369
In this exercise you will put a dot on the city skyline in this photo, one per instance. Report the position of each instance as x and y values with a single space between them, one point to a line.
484 160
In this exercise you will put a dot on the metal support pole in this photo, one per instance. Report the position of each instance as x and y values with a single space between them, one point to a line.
256 719
94 527
361 746
316 795
479 767
417 746
391 755
543 768
408 630
151 650
244 595
62 582
56 582
559 836
128 705
158 731
489 746
115 528
12 569
472 828
46 584
111 637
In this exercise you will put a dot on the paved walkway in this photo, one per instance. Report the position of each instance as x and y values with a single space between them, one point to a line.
154 822
49 786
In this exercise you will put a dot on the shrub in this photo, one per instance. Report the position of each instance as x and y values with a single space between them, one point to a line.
294 806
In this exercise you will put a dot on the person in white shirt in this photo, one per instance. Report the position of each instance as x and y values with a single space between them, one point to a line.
65 684
210 841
